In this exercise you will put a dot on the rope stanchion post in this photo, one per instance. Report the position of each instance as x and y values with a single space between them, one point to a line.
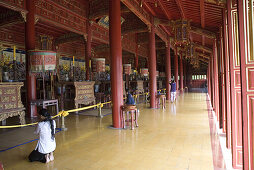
146 95
63 124
99 110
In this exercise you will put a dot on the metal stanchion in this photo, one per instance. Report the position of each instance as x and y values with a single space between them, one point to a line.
99 111
63 125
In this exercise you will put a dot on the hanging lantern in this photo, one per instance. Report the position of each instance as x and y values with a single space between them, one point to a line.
190 51
42 61
98 64
195 61
182 32
127 69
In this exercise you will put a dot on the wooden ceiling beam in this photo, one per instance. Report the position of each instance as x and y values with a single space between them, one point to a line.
202 13
11 18
164 22
201 31
144 16
70 37
203 55
204 48
104 12
137 30
149 8
180 7
165 10
202 18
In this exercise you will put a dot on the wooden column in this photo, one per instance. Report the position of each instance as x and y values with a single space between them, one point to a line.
208 80
30 45
168 70
181 71
246 51
88 49
235 85
116 61
222 94
152 68
212 80
176 69
227 80
216 81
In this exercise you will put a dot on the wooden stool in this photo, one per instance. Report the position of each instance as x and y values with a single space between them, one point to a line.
126 109
163 101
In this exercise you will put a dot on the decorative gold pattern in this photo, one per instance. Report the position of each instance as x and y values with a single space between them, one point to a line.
9 106
10 103
10 91
13 98
4 99
84 93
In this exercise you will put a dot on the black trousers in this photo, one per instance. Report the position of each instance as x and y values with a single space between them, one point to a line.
35 155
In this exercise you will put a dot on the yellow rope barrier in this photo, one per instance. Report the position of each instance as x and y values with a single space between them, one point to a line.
66 113
15 126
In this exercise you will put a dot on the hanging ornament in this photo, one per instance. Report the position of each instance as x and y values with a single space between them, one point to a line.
181 28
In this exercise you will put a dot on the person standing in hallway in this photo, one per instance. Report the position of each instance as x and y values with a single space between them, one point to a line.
43 151
173 91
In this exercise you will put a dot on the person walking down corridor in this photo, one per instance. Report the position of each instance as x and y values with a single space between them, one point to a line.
173 91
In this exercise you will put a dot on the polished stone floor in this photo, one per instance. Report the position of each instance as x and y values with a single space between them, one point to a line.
176 138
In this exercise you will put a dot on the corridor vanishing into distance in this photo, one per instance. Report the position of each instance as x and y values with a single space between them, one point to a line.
177 137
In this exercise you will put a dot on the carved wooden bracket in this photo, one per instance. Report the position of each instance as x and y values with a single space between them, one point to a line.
23 14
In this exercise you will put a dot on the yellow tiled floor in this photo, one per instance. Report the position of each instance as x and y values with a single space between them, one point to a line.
175 138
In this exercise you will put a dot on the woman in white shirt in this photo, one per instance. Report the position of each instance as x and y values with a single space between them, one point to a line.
46 145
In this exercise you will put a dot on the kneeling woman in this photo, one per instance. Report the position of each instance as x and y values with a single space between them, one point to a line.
46 145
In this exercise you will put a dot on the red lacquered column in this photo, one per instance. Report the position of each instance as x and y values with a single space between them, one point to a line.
208 79
116 61
176 69
152 68
88 49
30 45
216 82
212 80
227 80
181 72
245 20
168 71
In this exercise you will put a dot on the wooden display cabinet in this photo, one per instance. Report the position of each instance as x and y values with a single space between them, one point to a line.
78 93
10 101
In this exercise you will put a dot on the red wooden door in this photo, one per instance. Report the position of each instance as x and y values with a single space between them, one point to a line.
245 13
235 83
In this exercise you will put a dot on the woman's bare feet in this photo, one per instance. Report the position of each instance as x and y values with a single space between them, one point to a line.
47 158
51 156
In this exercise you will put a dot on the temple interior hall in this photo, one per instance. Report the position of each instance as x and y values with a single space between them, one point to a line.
127 84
